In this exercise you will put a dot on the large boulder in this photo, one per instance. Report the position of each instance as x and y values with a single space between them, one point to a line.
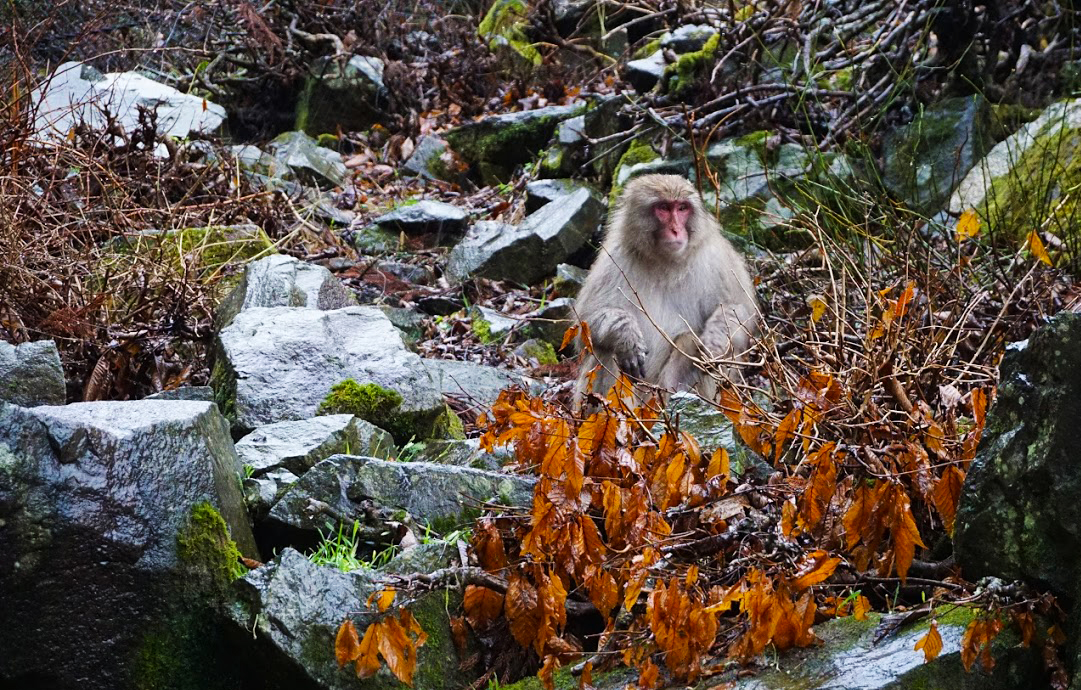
298 445
76 93
30 374
277 364
344 488
533 249
115 527
1019 516
283 281
478 384
299 157
496 144
926 158
293 609
1025 181
342 95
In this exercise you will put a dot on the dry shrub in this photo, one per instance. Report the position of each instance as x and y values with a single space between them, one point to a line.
89 256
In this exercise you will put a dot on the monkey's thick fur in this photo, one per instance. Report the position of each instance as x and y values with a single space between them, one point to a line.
642 295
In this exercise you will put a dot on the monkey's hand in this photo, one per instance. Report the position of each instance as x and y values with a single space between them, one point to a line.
616 334
633 362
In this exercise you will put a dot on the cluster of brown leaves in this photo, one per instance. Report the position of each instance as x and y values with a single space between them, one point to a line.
394 638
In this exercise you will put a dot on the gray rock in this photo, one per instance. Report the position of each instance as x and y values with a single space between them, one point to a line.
76 93
261 493
570 132
373 239
476 383
1009 187
540 192
103 507
307 162
30 374
341 96
440 305
298 445
423 558
277 364
496 326
531 251
551 321
569 280
688 38
463 453
425 216
712 430
283 281
495 145
923 160
856 656
197 393
344 488
294 608
645 73
1019 517
537 352
434 160
409 322
410 273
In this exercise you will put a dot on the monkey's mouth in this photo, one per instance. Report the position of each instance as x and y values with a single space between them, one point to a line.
673 246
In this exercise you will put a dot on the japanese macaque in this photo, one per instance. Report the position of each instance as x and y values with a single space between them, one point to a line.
666 293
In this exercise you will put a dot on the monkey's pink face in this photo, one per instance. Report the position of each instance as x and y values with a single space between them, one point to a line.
672 216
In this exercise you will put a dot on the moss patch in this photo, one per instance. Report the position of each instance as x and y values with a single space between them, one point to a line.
205 549
638 152
679 77
504 25
482 328
370 401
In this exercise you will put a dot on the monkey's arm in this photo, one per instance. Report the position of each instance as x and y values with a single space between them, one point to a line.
726 334
615 330
728 331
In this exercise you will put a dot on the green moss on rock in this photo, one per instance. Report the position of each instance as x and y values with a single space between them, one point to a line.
205 549
504 25
679 77
370 401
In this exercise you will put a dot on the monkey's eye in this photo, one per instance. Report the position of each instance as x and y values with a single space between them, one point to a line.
683 207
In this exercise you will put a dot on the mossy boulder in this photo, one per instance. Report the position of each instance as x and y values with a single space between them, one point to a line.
497 144
923 160
1026 181
504 27
1018 516
341 95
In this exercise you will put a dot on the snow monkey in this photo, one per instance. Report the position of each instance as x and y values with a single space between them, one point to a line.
665 274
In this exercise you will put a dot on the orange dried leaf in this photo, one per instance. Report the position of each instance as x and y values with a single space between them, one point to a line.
976 642
482 605
968 225
382 598
979 406
817 303
901 306
719 464
820 569
647 679
931 643
947 494
585 681
522 610
368 661
906 536
861 608
785 431
1035 245
346 643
